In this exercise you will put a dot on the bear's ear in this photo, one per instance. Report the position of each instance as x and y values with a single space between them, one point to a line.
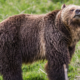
63 6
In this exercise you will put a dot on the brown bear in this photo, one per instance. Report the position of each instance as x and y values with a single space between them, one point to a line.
27 38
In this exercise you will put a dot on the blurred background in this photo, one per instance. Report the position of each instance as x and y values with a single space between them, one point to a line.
36 70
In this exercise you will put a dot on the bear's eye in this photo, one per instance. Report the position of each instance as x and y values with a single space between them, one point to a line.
72 10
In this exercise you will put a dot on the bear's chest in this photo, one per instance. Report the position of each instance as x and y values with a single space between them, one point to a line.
75 33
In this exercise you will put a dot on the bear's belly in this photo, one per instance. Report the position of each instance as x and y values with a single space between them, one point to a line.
31 54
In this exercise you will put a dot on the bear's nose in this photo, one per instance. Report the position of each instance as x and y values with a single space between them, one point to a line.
77 12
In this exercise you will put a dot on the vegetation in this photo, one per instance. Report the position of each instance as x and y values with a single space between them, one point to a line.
36 70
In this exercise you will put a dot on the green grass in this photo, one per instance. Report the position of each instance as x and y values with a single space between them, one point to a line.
34 71
13 7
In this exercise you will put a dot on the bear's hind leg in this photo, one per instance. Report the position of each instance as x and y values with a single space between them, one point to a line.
11 61
12 67
14 74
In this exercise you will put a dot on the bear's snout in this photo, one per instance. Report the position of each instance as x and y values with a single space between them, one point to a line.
77 12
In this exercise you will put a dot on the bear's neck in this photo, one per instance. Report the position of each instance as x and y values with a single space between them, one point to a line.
63 28
75 34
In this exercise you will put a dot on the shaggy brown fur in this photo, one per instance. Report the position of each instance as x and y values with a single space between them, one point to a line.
27 38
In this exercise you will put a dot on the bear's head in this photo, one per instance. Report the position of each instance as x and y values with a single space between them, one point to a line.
70 14
70 17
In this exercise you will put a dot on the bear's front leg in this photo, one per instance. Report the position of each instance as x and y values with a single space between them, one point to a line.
55 65
71 51
57 54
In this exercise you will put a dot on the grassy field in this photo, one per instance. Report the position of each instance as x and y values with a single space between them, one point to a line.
36 70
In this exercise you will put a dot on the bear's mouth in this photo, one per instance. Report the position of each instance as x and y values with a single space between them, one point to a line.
77 16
